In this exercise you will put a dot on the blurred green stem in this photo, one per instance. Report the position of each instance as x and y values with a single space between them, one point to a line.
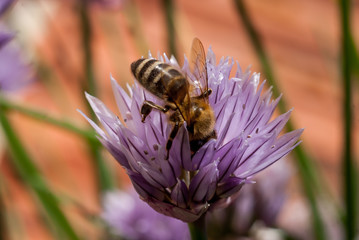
354 57
3 230
306 168
105 178
169 12
135 27
91 87
349 168
8 105
33 178
198 229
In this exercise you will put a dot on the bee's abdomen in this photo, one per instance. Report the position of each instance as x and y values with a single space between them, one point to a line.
158 77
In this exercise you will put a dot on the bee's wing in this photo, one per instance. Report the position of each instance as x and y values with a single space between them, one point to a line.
198 67
188 104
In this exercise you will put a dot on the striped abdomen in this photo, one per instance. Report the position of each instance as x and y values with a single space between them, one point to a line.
161 79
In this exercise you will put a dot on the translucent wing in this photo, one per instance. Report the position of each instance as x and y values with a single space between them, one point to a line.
198 68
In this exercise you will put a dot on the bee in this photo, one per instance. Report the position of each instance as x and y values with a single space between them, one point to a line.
187 100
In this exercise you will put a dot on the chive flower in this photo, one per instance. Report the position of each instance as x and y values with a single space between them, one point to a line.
187 185
131 218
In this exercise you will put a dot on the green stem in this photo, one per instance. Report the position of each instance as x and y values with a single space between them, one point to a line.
3 230
349 168
105 179
86 43
198 229
306 168
169 10
354 57
135 27
8 105
307 174
33 178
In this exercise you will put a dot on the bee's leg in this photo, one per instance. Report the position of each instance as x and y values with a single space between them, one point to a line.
208 92
205 93
147 107
171 137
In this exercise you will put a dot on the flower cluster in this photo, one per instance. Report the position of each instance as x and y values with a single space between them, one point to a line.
187 185
131 218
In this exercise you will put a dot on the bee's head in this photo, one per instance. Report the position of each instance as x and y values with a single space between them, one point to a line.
202 120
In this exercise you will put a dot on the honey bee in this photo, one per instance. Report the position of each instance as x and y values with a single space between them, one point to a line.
187 100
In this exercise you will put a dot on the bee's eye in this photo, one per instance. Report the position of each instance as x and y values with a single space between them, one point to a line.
197 112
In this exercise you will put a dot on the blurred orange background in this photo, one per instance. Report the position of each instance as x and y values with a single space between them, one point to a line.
302 39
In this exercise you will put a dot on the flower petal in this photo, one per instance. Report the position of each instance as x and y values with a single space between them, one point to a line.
229 159
222 135
153 136
204 155
230 186
180 150
123 101
179 194
99 107
203 185
98 130
116 153
153 176
285 144
144 189
174 211
169 172
278 123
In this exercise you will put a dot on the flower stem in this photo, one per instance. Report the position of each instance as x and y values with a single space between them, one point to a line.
198 228
105 179
349 168
33 178
86 43
169 9
8 105
305 165
3 230
354 57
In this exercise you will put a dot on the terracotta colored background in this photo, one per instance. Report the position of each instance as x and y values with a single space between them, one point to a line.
302 39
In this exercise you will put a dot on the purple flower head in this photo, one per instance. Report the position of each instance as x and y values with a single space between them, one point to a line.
4 37
4 5
186 185
131 218
14 73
